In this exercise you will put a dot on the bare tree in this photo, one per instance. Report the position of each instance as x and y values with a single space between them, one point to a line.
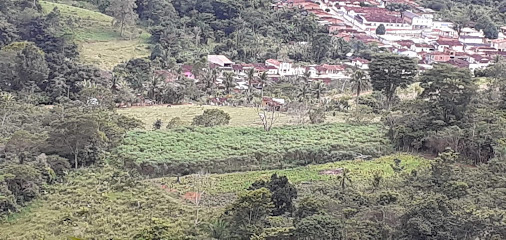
268 115
201 181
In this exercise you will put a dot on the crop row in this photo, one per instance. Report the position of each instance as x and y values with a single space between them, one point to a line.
224 149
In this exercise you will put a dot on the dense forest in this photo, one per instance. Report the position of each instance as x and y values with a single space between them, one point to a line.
393 152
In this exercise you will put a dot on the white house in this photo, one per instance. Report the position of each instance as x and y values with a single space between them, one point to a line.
408 53
422 47
442 25
284 68
418 21
471 39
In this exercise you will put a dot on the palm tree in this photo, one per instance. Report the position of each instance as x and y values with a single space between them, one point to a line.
263 82
344 178
250 77
360 81
210 80
304 87
318 89
228 81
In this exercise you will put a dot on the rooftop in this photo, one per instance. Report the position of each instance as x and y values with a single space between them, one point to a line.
219 59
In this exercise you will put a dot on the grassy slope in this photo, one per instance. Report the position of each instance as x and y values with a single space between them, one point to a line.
240 116
90 206
219 143
100 43
359 170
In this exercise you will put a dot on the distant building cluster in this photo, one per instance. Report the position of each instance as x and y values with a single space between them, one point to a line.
414 33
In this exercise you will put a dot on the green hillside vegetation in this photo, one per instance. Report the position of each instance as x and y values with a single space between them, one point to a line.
96 204
110 204
360 171
225 149
100 43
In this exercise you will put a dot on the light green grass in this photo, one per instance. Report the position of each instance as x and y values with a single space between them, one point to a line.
240 116
100 43
359 170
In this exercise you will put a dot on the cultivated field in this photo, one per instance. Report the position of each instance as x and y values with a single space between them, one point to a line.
240 116
227 149
100 43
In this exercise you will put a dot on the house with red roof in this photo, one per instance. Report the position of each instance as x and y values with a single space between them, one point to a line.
434 57
448 43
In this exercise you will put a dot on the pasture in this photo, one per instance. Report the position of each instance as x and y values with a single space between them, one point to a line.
99 41
240 116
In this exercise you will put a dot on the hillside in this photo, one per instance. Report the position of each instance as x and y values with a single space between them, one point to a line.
99 42
106 204
96 204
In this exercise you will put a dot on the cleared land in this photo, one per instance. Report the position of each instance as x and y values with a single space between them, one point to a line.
100 43
227 149
240 116
236 182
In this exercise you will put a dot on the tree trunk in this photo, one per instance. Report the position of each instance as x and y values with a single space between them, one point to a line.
122 25
358 96
75 158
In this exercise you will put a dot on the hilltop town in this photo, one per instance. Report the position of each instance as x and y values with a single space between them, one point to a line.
415 33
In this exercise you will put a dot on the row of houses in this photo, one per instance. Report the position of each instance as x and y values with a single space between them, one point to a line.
277 68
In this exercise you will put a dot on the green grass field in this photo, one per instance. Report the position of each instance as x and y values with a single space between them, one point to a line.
100 43
236 182
240 116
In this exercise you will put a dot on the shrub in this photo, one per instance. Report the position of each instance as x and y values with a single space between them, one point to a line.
157 125
317 115
175 123
211 118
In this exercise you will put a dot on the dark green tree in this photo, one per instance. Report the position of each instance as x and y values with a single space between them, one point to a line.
283 193
319 227
246 214
381 30
449 90
31 67
123 13
211 118
389 72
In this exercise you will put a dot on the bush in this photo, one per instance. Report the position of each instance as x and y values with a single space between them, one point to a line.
317 115
211 118
175 123
157 125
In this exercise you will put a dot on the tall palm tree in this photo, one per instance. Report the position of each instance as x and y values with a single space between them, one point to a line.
250 77
318 89
345 177
263 82
304 85
228 81
360 81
